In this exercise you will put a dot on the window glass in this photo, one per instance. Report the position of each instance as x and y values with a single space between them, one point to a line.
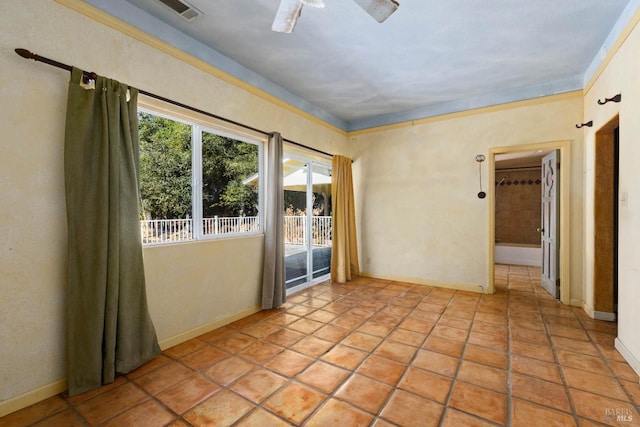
196 183
165 179
229 185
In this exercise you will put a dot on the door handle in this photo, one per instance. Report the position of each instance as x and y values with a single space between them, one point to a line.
540 230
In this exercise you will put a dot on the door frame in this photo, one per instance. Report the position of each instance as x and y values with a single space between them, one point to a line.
605 207
310 162
564 148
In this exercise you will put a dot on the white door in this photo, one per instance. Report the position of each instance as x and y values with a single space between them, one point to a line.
549 229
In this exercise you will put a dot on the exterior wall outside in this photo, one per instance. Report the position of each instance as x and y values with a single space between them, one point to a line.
189 286
416 188
518 206
620 76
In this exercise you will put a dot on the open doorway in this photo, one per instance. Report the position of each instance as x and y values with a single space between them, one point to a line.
605 274
307 221
517 208
508 164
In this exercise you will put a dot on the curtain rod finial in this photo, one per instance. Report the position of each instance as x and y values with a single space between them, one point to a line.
25 53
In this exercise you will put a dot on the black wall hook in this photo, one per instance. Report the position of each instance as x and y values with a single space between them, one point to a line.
588 124
616 98
480 158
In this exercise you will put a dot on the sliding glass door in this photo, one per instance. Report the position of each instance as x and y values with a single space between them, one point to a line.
307 221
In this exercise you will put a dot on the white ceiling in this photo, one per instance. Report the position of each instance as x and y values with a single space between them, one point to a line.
431 57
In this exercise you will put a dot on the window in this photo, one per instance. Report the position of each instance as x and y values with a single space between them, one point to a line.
196 182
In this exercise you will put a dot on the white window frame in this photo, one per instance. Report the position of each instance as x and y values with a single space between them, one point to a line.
199 125
196 184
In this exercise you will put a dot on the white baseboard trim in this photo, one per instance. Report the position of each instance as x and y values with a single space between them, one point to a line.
517 255
597 315
628 356
588 309
576 303
603 315
29 398
207 327
428 282
34 396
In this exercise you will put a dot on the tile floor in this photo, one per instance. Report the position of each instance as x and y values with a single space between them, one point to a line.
378 353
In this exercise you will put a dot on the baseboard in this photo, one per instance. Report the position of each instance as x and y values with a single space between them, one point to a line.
19 402
517 254
207 327
589 310
576 303
603 315
34 396
428 282
628 356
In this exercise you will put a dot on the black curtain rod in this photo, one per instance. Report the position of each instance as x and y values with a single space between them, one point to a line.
91 75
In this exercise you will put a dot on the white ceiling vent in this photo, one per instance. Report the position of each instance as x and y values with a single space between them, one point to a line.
182 8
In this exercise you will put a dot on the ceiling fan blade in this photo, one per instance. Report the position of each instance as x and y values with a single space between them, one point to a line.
314 3
379 9
287 16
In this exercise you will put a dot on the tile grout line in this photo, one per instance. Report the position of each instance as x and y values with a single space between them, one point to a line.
371 352
455 379
609 366
319 359
556 362
550 316
509 370
378 414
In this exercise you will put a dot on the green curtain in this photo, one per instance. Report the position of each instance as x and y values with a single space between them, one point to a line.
273 277
109 329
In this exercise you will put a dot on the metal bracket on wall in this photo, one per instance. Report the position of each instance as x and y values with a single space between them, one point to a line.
616 98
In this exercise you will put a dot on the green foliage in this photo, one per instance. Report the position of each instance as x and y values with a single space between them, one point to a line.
226 163
165 167
165 171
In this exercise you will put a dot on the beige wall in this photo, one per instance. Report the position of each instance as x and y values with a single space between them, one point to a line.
418 214
620 76
416 186
191 287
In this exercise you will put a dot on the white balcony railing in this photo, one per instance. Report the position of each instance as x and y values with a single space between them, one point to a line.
158 231
295 230
224 225
166 230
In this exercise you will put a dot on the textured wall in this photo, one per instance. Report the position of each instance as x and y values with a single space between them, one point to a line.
418 214
620 76
188 285
518 206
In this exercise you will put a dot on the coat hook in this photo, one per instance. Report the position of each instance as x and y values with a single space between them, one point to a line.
616 98
588 124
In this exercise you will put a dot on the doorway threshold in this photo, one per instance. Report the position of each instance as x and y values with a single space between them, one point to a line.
316 281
